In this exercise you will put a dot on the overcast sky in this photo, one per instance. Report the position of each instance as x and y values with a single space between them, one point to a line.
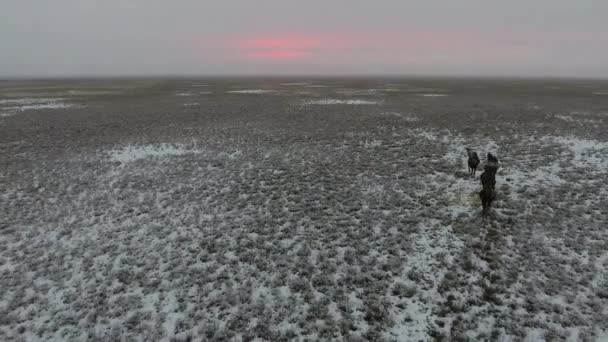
321 37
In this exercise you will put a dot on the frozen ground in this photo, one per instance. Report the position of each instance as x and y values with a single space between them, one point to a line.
434 95
340 102
140 216
252 91
9 107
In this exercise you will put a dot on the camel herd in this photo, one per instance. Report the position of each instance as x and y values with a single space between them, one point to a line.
488 177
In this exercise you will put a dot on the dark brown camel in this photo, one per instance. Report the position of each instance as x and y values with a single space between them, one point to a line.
473 161
488 183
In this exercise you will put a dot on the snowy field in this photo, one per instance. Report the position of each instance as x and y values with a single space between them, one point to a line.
154 211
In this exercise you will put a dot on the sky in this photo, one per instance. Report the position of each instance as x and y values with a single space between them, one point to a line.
518 38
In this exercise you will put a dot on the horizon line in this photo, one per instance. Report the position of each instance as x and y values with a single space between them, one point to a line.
178 76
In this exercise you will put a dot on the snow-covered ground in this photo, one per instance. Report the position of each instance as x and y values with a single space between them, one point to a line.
253 91
132 153
433 95
405 116
338 101
9 107
363 232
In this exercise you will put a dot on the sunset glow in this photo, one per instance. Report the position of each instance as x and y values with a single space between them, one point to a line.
278 48
289 43
353 46
393 37
278 55
411 50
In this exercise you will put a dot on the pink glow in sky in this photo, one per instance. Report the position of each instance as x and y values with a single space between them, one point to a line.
287 46
283 42
150 37
416 46
411 50
277 48
278 54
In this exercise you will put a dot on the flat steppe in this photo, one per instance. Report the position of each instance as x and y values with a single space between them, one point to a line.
307 209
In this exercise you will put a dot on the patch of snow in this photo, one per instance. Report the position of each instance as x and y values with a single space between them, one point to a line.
569 118
373 143
587 152
433 95
425 134
252 91
79 92
31 100
41 106
357 92
337 102
565 118
132 153
536 179
24 104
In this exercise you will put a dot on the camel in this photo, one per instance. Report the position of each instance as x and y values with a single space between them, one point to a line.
473 161
488 184
487 196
